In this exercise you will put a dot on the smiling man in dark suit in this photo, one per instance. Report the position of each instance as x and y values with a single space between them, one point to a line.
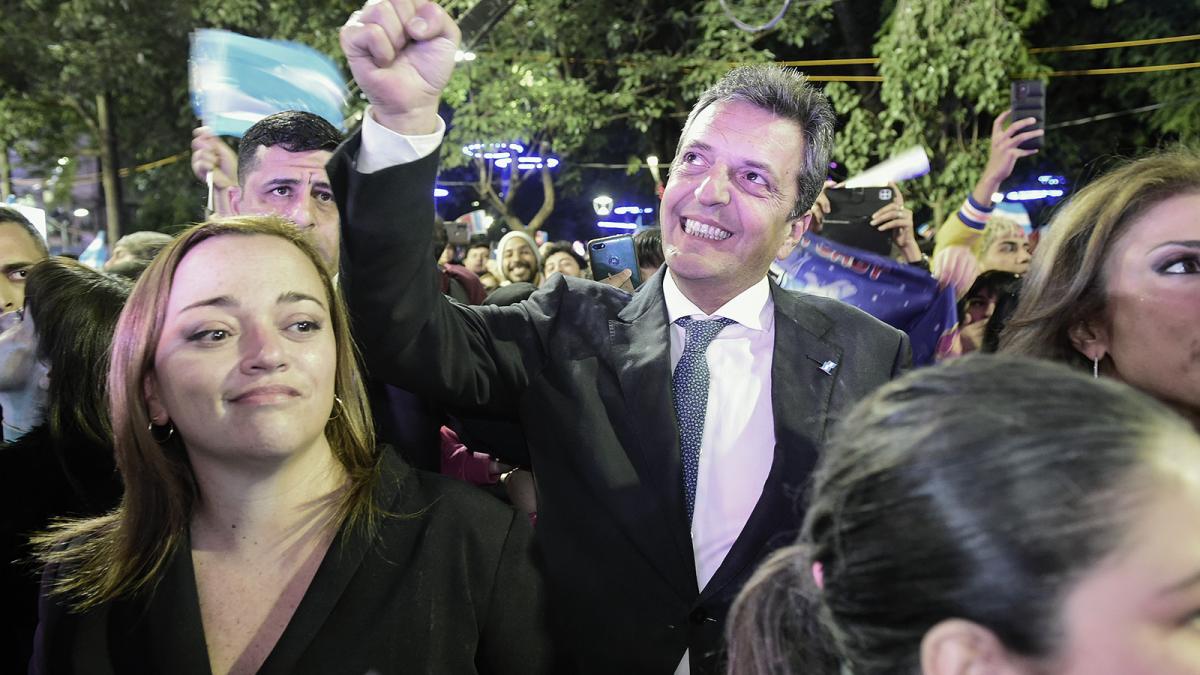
672 431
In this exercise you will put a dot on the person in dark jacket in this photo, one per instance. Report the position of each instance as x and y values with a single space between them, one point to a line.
64 465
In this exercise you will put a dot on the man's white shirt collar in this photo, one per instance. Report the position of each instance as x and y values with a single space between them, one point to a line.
748 308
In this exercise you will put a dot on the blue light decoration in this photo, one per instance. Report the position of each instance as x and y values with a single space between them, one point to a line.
1048 186
626 210
508 156
1031 195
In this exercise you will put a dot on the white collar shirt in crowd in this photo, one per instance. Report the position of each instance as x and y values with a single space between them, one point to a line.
738 445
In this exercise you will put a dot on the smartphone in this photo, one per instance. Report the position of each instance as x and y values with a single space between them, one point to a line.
610 255
849 219
457 233
1029 100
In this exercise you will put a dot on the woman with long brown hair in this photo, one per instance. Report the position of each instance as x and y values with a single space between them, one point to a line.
261 529
1114 288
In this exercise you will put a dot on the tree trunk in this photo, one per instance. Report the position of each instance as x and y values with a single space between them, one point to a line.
547 208
108 168
5 173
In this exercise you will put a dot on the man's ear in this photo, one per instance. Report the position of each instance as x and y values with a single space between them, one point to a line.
1090 338
154 406
960 647
235 199
796 230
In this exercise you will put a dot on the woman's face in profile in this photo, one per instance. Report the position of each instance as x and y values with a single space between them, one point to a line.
1138 611
1153 293
246 361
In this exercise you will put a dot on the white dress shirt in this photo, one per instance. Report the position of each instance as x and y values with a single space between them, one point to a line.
738 445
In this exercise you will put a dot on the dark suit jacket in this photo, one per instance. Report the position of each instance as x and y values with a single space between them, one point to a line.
586 368
448 586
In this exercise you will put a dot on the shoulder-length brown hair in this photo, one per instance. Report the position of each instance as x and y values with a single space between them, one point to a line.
124 552
1066 285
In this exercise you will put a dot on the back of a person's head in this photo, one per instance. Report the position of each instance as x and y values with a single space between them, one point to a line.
979 490
143 245
648 246
293 130
11 216
75 310
1065 284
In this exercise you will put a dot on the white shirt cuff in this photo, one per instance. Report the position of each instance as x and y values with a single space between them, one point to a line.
383 148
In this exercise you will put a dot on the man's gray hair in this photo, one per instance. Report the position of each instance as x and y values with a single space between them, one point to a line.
786 93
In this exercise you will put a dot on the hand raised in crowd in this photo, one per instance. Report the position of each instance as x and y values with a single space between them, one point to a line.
212 155
898 220
401 53
1004 153
955 266
820 209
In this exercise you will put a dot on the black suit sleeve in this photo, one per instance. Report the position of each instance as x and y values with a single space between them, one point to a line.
410 334
513 638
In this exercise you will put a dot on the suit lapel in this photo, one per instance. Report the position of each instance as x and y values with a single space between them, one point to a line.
800 395
640 347
337 569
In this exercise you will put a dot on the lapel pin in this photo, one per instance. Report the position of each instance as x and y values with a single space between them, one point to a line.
828 367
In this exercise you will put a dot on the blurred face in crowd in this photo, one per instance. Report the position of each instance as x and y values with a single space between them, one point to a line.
18 252
246 362
519 261
120 254
563 262
1138 611
1150 328
725 207
476 260
1009 251
19 365
977 310
293 185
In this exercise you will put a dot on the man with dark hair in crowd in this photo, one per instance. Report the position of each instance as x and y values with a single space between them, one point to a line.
669 431
647 246
280 168
479 251
20 247
560 257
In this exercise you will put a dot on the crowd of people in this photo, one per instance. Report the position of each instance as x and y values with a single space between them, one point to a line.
310 434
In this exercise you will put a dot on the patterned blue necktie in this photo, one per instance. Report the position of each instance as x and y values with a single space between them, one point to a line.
689 384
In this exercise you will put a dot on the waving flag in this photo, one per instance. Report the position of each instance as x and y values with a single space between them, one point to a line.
903 296
237 80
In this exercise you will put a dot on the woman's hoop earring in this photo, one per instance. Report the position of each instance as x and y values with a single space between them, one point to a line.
338 406
156 432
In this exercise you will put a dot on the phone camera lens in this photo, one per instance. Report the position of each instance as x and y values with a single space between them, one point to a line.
597 246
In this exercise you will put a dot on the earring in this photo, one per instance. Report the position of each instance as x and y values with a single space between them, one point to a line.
1096 366
156 432
338 406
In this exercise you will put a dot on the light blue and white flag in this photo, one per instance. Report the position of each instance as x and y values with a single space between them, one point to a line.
238 80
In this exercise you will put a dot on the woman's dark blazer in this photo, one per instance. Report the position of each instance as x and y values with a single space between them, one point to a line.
448 585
